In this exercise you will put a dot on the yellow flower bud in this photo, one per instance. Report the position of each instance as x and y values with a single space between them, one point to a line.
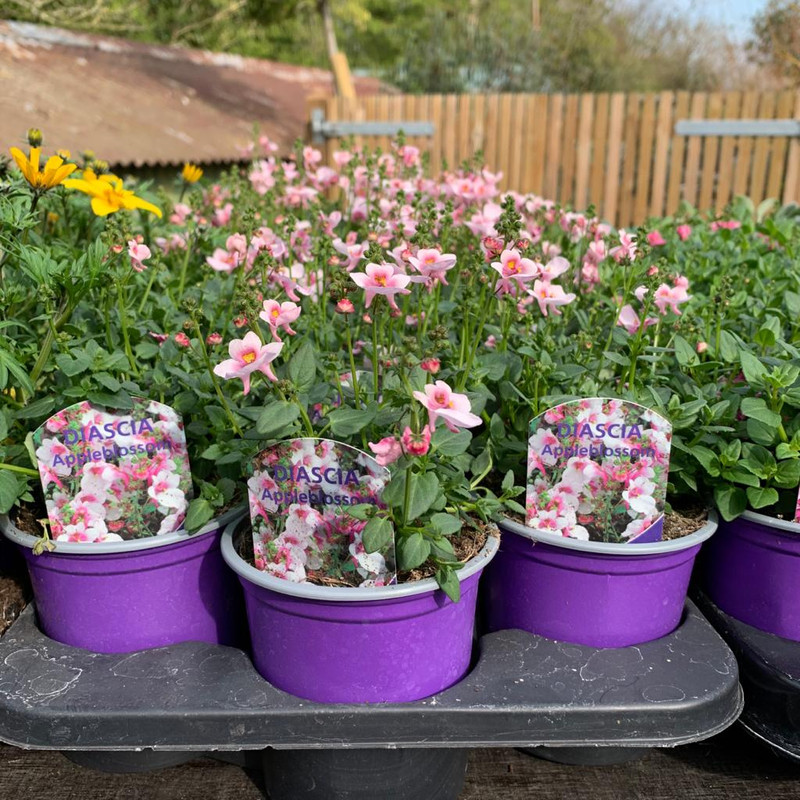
34 137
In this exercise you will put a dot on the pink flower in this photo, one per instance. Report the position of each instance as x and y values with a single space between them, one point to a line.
138 253
381 279
354 251
432 264
514 270
629 320
386 450
730 225
548 295
655 239
344 306
432 365
626 248
442 401
213 339
224 260
180 213
666 297
491 342
248 355
182 339
555 267
702 347
160 337
416 444
280 315
222 216
684 232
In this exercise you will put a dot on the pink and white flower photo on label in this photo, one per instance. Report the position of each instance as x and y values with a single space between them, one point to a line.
299 494
597 470
113 475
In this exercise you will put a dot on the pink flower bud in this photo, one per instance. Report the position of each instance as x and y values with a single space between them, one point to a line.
702 347
416 444
345 306
431 365
182 339
213 338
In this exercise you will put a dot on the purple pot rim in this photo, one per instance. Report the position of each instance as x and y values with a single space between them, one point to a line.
349 594
104 549
783 525
615 549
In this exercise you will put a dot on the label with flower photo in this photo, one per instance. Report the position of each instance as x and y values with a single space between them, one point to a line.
597 470
299 495
110 475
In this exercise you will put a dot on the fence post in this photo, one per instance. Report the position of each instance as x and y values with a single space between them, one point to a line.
791 184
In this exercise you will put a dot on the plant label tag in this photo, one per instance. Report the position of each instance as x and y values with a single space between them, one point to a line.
797 509
111 474
597 470
299 495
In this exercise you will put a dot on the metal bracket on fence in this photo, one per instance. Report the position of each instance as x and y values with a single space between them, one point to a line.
738 127
322 129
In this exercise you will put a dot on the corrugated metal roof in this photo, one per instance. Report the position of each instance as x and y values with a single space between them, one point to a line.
140 104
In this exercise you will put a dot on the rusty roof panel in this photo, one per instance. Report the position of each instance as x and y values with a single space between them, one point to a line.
140 104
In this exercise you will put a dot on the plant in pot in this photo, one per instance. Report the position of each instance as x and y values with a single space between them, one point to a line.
614 345
745 453
110 562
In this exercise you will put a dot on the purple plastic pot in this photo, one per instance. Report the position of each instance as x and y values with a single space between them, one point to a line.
117 597
589 593
359 645
752 572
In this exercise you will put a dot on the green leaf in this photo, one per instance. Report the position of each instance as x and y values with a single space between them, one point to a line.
446 524
73 364
213 452
413 551
708 458
277 419
448 583
360 511
38 408
450 444
740 476
685 353
9 488
761 432
508 481
3 425
442 549
760 497
424 489
731 501
303 368
120 400
756 408
378 533
393 493
728 348
198 514
481 462
787 476
346 421
754 371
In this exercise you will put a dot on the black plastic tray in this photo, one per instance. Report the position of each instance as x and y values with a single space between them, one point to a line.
524 691
770 675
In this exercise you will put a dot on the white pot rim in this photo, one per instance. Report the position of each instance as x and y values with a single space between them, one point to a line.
771 522
12 532
624 550
349 594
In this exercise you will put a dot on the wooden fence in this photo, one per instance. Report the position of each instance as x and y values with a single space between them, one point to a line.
617 151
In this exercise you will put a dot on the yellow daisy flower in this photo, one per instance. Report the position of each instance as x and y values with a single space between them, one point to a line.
191 173
54 172
108 194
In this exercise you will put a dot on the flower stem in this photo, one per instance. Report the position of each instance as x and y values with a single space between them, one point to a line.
375 354
22 470
147 290
184 267
353 377
123 321
215 382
